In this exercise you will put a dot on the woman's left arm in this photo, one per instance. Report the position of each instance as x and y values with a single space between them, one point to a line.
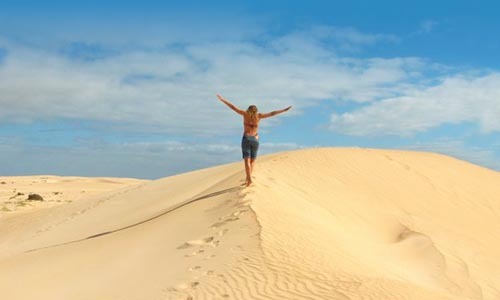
274 113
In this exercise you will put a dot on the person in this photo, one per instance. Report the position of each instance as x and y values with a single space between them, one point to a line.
250 139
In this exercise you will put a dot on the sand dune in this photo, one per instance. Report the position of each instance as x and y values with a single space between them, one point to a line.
55 190
317 224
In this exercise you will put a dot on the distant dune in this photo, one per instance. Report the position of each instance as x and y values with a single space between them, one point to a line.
323 223
54 190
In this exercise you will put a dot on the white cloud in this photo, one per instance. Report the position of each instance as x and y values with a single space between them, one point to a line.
456 99
172 89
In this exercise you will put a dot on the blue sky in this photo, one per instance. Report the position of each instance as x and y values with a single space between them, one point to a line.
127 88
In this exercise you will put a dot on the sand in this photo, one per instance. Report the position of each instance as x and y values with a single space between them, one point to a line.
330 223
55 190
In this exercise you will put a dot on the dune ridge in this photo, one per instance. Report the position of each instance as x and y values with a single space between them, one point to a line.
327 223
382 224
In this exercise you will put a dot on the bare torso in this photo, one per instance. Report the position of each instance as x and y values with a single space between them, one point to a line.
250 126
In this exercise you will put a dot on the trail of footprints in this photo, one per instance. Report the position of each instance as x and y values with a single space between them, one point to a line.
91 206
201 247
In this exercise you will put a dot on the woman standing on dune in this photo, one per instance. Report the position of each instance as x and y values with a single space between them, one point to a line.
250 140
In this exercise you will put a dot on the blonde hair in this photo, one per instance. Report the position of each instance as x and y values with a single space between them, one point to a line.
252 112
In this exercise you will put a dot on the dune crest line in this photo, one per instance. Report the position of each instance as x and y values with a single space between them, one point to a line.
166 211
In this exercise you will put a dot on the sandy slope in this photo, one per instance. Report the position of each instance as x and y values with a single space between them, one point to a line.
55 190
318 224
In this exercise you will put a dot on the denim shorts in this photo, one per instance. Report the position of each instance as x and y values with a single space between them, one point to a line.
249 146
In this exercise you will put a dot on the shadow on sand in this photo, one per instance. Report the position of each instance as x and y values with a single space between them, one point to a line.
170 209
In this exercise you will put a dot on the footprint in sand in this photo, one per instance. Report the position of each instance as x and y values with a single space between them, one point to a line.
218 224
199 251
198 269
201 242
232 219
210 256
222 232
185 286
185 246
228 218
195 268
239 212
208 239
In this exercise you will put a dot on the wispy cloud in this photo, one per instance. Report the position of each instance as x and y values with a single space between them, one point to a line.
168 85
455 99
171 88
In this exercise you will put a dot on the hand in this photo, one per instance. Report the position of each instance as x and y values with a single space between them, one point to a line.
288 108
220 97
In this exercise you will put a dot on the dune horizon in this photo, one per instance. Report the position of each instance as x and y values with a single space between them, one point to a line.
320 223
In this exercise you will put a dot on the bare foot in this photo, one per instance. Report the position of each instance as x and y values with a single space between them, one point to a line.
248 182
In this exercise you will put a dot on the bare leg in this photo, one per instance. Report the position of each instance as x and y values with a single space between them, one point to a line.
248 170
252 161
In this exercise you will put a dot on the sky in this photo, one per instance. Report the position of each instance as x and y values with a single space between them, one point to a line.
127 88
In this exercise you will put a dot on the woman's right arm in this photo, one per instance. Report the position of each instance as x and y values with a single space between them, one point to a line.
231 106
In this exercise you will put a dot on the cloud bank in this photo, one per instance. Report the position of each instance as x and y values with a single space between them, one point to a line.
167 85
171 87
454 100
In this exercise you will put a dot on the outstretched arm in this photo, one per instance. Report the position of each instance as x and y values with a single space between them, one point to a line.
231 106
274 113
